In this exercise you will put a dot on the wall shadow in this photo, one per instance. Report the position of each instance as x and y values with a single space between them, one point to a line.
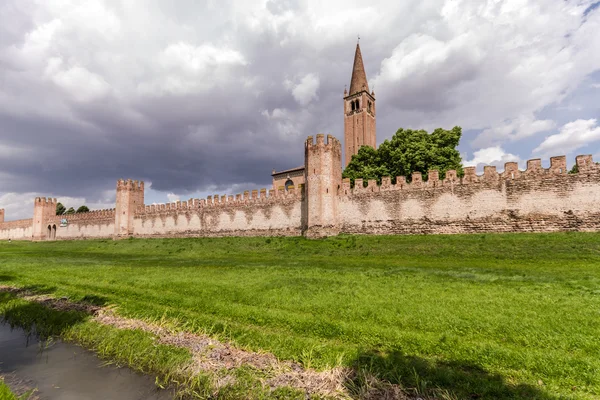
6 278
418 376
95 300
29 290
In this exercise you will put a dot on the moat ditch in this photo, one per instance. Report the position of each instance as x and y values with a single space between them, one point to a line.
58 370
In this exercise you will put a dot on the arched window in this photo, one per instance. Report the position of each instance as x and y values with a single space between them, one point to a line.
288 183
357 104
352 104
49 233
53 231
369 106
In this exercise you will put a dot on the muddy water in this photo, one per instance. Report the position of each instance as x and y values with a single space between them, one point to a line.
67 372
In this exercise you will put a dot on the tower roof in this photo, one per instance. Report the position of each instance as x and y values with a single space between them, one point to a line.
359 76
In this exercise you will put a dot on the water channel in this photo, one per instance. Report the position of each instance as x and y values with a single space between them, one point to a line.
64 371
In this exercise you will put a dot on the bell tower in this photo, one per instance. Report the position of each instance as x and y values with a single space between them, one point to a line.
359 111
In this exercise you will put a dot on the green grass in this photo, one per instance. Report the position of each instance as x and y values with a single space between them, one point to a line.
134 348
494 316
7 394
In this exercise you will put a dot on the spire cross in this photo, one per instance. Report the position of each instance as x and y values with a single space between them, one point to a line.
358 41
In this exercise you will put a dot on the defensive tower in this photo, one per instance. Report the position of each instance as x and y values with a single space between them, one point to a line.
130 195
1 215
359 111
323 182
43 209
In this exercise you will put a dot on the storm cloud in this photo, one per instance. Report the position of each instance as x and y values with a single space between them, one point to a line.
208 96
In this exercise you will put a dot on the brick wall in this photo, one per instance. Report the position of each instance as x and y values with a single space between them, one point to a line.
17 230
250 214
535 200
90 225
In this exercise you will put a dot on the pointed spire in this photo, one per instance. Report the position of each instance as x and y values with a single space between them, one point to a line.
359 77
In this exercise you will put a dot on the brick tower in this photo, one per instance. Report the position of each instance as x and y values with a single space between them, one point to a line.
43 209
359 111
130 195
323 177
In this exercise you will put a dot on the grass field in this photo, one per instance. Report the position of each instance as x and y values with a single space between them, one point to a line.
7 394
479 316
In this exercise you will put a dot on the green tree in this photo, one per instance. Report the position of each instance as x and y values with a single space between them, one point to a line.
71 210
60 209
367 164
83 209
408 151
574 170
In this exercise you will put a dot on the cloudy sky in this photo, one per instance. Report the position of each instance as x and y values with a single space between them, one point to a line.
202 97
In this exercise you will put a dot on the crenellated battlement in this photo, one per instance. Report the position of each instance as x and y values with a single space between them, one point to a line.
45 201
558 167
129 184
331 143
254 197
16 224
536 199
87 216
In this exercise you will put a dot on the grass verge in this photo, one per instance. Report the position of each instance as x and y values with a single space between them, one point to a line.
7 394
135 348
485 316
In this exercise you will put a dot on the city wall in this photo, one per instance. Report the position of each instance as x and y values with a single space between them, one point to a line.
16 230
257 214
91 225
535 200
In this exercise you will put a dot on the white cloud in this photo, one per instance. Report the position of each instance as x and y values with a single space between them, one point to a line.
481 63
20 205
197 59
107 77
596 85
516 129
80 83
490 156
185 68
304 91
172 197
287 124
571 137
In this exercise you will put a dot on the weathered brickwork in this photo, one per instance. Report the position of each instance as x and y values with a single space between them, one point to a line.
359 111
21 229
91 225
291 177
534 200
323 162
130 196
256 214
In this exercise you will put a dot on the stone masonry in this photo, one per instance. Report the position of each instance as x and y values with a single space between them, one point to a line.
535 200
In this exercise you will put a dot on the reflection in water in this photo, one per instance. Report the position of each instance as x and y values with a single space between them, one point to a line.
68 372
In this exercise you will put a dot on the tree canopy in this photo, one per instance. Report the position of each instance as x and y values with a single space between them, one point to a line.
71 210
83 209
408 151
60 209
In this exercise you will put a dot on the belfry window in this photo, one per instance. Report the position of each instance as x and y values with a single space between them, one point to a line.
369 106
352 104
357 105
288 183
